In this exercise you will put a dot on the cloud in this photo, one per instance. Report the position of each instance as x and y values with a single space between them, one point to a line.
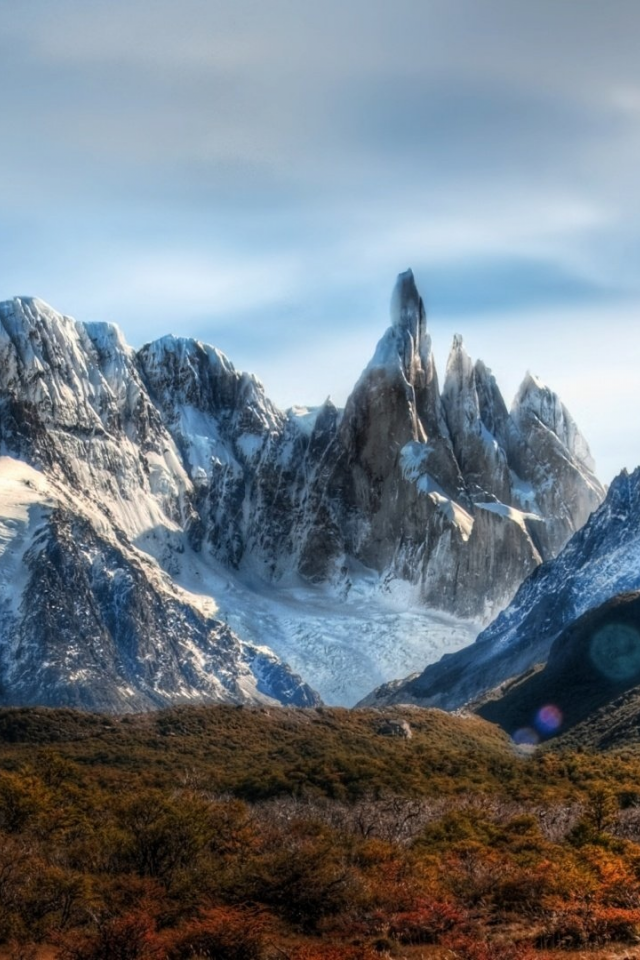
257 172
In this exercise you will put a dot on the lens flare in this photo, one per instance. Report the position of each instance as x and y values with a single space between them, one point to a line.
548 719
615 651
526 736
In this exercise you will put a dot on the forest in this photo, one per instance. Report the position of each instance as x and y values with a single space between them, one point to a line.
279 834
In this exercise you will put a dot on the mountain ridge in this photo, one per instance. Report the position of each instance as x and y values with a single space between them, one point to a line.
184 460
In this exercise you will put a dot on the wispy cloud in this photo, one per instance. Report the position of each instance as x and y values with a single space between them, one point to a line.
257 173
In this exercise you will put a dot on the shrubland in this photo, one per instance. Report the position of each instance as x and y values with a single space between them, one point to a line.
258 834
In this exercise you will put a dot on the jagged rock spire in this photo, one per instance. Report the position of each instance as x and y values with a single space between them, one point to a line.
407 308
481 459
536 401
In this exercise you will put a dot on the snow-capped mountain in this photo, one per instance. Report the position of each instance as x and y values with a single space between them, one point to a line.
87 620
165 503
601 561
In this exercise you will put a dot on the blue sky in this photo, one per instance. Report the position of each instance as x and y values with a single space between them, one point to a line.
256 173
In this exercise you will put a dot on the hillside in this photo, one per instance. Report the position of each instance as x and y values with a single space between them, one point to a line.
263 752
591 665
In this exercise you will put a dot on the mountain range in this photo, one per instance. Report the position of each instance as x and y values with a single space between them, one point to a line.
167 534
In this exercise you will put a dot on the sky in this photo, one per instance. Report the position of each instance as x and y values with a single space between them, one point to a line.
254 173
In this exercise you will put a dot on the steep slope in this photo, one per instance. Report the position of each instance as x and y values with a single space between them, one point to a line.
590 665
352 542
599 562
87 620
613 726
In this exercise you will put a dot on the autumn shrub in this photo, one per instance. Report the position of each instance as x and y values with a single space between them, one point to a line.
428 922
232 830
128 937
457 826
222 933
162 835
16 869
523 889
21 800
303 876
576 924
115 894
475 946
330 951
473 873
22 950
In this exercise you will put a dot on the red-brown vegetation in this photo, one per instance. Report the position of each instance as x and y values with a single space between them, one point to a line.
117 843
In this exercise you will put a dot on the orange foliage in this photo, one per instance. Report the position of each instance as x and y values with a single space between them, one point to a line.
426 923
221 933
128 937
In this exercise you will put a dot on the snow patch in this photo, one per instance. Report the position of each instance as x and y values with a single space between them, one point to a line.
454 513
510 513
25 502
304 418
250 444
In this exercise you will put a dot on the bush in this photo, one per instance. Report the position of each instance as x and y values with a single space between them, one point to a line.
129 937
579 925
223 933
426 923
465 946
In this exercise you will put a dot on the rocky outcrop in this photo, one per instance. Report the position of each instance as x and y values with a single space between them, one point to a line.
395 728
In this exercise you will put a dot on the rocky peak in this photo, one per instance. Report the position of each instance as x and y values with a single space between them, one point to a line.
459 381
535 400
407 308
43 356
622 501
404 352
493 409
80 375
546 449
184 373
482 460
191 371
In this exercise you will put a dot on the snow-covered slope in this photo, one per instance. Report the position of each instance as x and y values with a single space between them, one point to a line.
601 561
89 621
357 544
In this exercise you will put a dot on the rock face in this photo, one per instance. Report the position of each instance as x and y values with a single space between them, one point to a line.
600 562
449 492
108 638
159 469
